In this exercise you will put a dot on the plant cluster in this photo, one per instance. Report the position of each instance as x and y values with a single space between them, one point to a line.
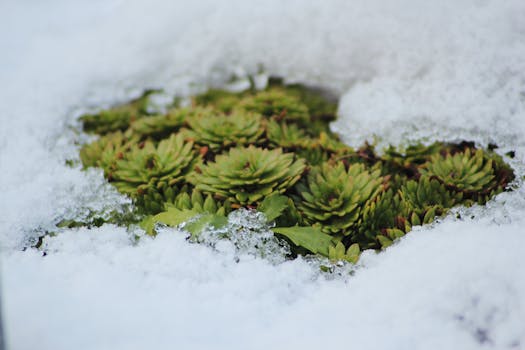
272 151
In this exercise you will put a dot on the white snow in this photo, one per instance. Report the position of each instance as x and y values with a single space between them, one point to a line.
405 69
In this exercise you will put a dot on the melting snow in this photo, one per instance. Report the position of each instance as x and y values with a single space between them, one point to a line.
405 69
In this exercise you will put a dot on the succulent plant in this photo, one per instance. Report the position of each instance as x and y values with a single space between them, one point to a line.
149 165
262 145
377 215
412 155
333 196
313 154
223 131
160 126
286 135
339 253
116 118
428 193
105 151
333 145
195 201
220 100
321 103
462 172
276 103
152 198
247 175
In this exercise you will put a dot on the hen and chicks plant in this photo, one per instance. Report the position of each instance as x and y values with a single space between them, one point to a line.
273 151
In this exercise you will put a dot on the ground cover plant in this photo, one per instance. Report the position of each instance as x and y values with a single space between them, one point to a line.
272 151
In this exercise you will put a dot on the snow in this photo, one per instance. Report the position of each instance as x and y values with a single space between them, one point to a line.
405 69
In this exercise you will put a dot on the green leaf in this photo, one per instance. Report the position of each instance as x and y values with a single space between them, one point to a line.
429 215
352 254
384 241
173 216
209 205
215 221
336 253
273 206
148 225
353 250
395 233
309 238
415 220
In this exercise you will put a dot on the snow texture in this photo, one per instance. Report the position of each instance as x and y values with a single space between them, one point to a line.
404 69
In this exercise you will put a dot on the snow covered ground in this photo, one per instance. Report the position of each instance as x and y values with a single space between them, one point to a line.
405 69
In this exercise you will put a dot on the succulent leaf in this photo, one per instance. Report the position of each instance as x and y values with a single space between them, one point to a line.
340 253
196 202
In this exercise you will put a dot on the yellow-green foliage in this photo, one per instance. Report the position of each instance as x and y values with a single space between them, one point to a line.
146 164
217 130
278 105
247 175
273 151
333 196
286 135
463 171
116 118
161 126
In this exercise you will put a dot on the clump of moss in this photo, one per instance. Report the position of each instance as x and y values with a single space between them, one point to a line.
272 151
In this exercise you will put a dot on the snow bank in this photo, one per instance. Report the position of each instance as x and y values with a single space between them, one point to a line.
405 69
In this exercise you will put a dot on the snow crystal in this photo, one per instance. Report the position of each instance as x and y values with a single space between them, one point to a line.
248 234
405 70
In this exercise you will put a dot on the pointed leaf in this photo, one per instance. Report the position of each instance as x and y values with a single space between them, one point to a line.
273 206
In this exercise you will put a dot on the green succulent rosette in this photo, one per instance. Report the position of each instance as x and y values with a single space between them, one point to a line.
220 100
333 145
117 118
148 165
332 196
462 172
377 215
427 193
218 131
277 104
161 126
105 151
412 155
286 135
247 175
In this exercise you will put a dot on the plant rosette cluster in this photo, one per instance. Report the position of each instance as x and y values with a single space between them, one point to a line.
272 151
